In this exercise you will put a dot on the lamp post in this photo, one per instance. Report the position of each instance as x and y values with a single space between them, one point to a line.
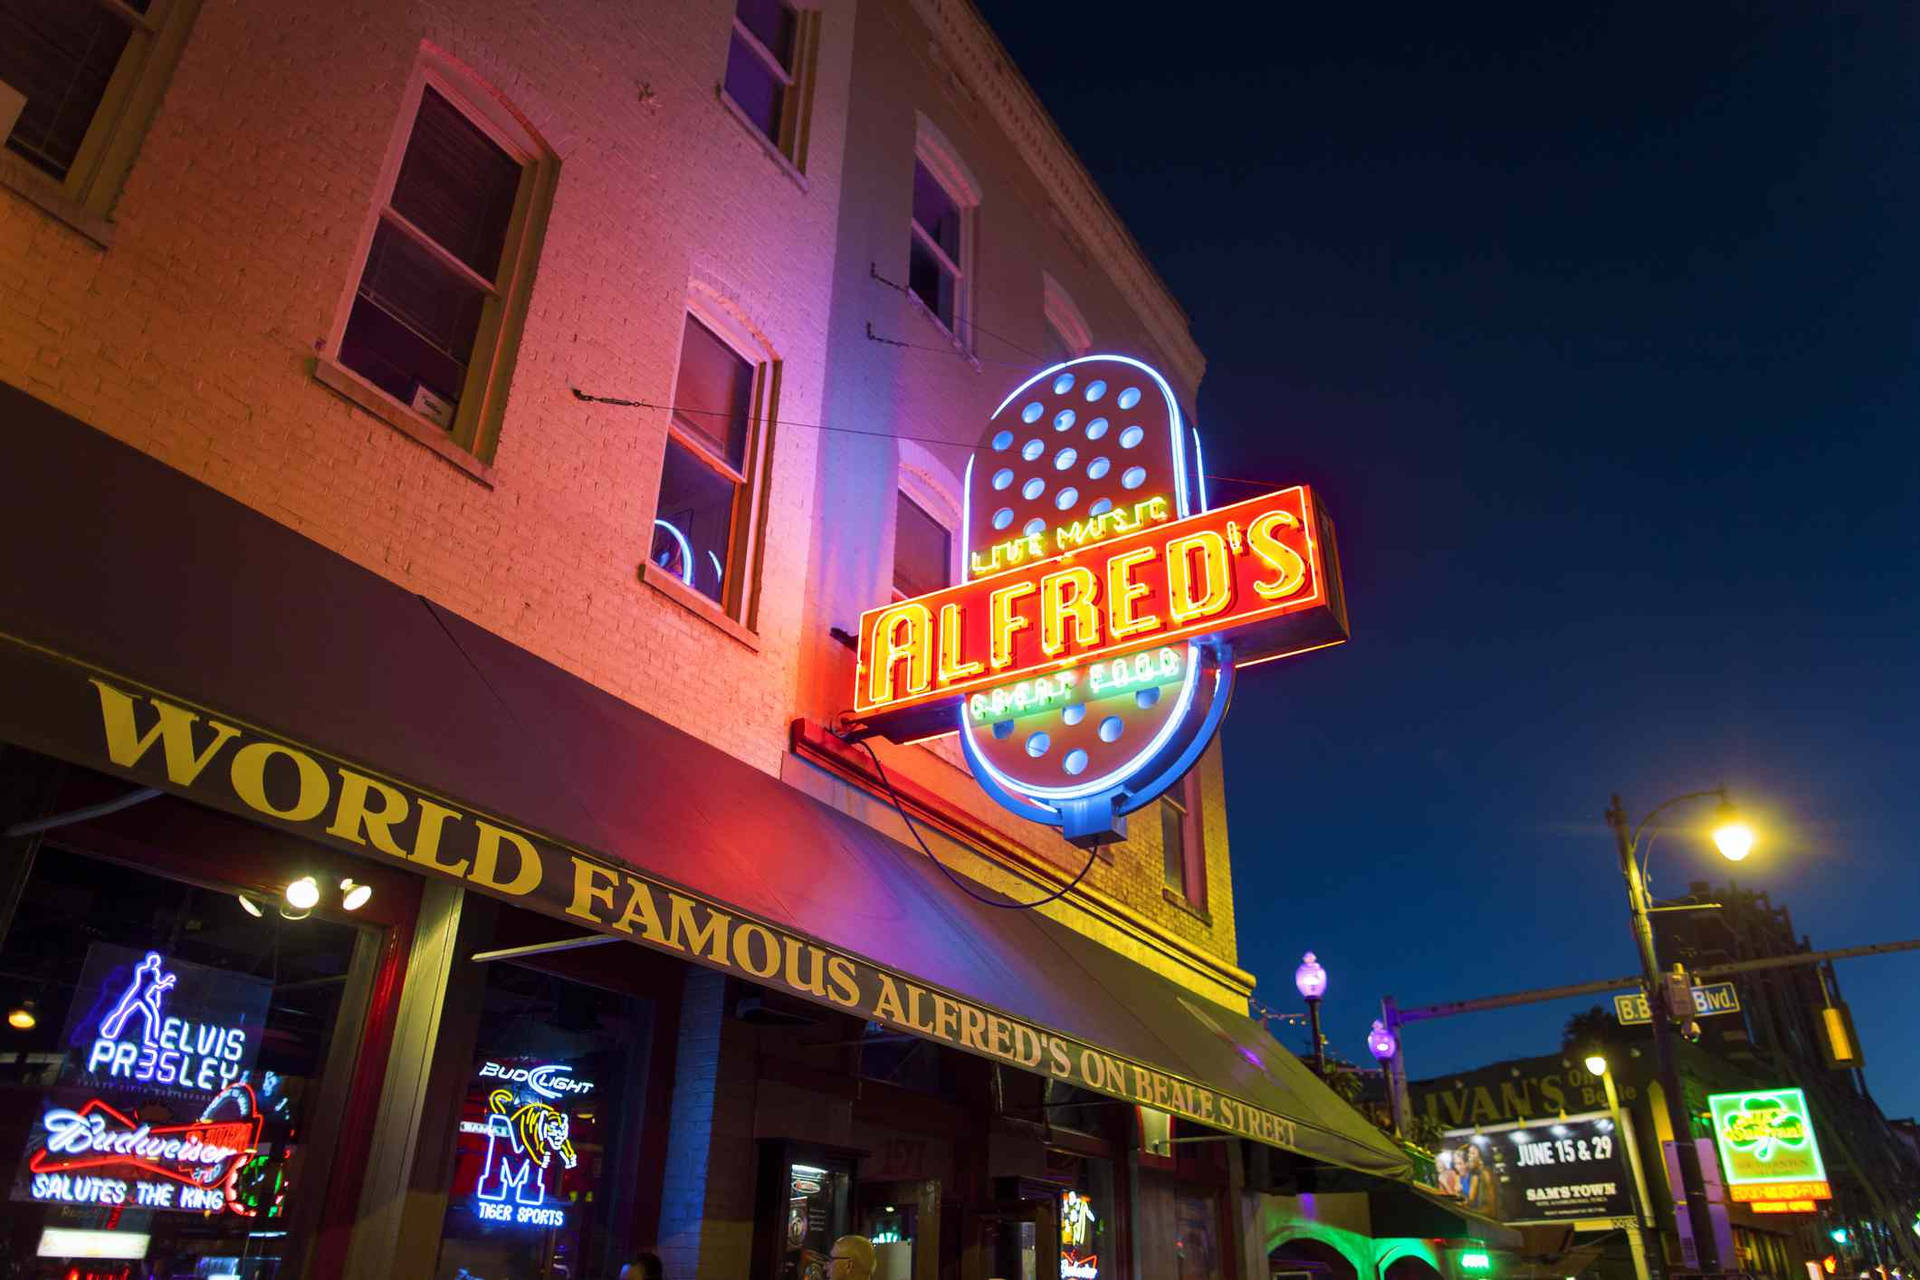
1310 980
1383 1045
1636 1182
1735 841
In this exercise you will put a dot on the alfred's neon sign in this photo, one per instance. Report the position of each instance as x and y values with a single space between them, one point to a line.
1089 655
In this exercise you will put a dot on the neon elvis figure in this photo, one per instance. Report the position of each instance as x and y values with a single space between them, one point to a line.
142 996
534 1133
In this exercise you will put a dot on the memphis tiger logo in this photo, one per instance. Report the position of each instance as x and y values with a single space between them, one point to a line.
522 1141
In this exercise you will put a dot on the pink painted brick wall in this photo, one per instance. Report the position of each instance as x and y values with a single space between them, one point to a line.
193 336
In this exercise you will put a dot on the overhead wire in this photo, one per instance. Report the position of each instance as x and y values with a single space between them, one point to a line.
622 402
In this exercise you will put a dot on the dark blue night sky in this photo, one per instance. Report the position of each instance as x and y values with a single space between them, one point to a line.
1597 332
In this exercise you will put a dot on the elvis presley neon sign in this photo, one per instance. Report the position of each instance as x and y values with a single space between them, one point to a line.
1088 655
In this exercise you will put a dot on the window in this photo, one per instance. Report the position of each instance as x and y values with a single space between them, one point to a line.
85 76
106 958
703 518
1181 849
433 319
770 49
945 197
922 550
933 261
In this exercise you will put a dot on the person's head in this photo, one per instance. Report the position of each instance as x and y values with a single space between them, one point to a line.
851 1259
645 1266
1473 1158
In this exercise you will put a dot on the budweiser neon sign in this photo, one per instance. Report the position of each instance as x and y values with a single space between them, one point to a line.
97 1154
1088 655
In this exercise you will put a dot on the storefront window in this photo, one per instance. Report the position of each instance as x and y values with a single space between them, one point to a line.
806 1204
543 1171
893 1229
1196 1249
1086 1216
164 1072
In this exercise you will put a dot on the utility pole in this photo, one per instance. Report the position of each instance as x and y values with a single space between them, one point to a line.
1693 1186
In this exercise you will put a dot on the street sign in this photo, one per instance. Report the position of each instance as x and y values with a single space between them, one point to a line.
1708 1001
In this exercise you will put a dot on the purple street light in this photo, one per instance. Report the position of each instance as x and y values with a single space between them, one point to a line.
1381 1043
1311 982
1310 979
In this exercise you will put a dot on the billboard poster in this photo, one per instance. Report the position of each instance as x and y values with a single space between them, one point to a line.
1565 1170
153 1104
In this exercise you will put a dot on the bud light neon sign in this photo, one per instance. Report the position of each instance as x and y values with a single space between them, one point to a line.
520 1148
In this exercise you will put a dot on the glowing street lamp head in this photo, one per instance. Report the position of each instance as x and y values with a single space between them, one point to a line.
1597 1064
1381 1042
22 1017
1310 979
1733 837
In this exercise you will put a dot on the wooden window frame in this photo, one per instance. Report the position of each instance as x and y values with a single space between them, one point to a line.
796 101
1185 798
85 197
934 153
475 431
739 606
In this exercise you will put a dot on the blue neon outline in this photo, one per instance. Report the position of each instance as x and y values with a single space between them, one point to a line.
1182 504
1115 778
1157 786
997 784
1199 468
686 550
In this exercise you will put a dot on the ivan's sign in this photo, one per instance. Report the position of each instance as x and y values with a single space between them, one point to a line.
1088 654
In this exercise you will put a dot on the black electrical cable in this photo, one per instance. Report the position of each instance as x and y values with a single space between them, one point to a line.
959 884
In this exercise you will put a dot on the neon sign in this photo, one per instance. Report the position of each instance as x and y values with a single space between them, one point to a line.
99 1155
1089 654
529 1143
1769 1151
1076 1233
170 1051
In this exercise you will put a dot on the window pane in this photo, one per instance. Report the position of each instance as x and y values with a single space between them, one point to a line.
693 524
60 54
456 185
922 550
1173 845
414 321
927 277
713 395
539 1174
772 25
754 88
935 211
121 964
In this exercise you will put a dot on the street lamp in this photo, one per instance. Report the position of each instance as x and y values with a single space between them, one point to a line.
1636 1181
1734 839
1310 980
1383 1045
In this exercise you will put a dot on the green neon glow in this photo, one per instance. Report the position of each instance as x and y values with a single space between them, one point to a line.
1766 1136
1100 680
1476 1261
